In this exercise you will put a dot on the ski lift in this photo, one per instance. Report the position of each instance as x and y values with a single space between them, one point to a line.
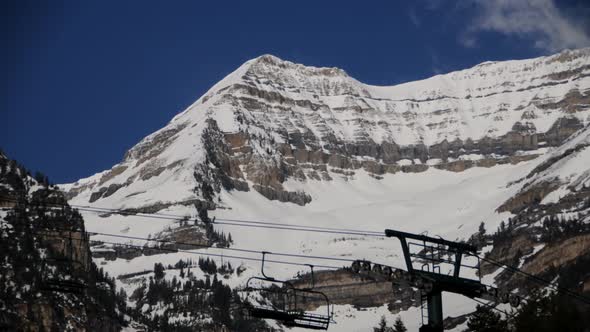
54 283
284 302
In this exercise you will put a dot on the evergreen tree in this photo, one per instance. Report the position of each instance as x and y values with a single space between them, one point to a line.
382 327
399 326
554 312
484 319
482 229
158 271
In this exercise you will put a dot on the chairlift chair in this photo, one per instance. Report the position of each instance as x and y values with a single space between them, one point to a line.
285 302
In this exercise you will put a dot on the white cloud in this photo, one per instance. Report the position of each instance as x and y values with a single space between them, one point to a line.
540 20
436 65
413 17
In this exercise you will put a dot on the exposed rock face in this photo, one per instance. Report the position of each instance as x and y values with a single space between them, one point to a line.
532 195
548 234
273 120
73 245
47 279
556 255
361 290
299 198
561 130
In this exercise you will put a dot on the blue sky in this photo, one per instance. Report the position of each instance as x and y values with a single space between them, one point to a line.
83 81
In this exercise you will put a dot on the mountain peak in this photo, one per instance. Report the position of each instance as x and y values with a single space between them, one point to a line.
267 58
269 61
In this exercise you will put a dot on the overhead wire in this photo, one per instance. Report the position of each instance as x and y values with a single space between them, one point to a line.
224 248
245 223
302 228
256 222
539 280
243 250
225 221
493 307
200 253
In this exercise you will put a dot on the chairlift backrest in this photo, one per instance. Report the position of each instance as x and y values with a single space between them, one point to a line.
286 303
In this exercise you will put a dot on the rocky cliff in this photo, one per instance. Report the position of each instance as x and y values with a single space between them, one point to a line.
48 281
547 232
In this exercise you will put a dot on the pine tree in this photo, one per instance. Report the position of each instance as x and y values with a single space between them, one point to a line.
485 320
553 312
399 326
382 327
158 271
482 229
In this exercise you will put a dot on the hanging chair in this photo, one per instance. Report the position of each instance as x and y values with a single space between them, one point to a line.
283 302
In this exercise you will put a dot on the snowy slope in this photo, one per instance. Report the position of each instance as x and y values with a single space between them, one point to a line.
410 202
568 166
280 105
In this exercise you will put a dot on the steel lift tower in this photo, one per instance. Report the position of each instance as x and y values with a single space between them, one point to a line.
430 280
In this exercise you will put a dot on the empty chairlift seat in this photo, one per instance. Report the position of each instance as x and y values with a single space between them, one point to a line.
269 298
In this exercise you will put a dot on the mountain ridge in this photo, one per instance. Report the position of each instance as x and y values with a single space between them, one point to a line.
348 133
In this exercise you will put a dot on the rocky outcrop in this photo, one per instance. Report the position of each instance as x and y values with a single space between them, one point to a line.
105 192
549 239
558 254
73 245
48 281
238 161
561 130
574 101
153 145
297 197
528 197
184 238
361 290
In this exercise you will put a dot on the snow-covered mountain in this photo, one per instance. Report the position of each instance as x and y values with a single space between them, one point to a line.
283 142
271 120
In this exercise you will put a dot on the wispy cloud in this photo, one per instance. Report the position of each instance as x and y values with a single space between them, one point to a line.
413 17
418 7
540 20
435 63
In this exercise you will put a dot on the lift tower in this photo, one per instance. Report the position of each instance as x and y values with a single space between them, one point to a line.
430 280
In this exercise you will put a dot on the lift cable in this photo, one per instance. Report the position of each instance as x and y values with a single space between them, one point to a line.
256 222
199 246
555 287
200 253
223 248
292 227
221 221
493 307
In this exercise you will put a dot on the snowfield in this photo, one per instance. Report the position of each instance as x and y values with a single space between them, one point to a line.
438 203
